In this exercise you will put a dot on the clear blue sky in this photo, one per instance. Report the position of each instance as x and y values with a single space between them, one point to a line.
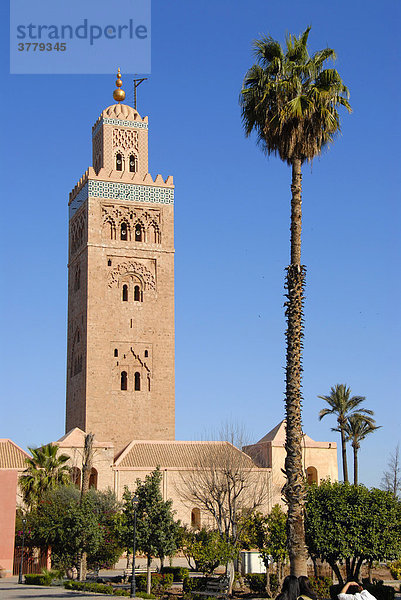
232 223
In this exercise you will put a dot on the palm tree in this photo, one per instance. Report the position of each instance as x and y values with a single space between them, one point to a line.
356 428
291 102
46 470
344 406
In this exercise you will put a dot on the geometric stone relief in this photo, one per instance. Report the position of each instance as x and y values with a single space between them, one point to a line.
77 232
125 139
135 268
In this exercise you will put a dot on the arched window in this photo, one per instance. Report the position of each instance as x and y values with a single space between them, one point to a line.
109 263
137 382
137 294
146 354
311 475
93 479
124 232
132 163
119 162
138 233
77 281
76 476
115 352
195 518
125 293
124 380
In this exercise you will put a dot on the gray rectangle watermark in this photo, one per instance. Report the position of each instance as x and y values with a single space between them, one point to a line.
80 36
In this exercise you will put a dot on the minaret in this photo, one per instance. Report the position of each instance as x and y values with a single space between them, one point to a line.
120 364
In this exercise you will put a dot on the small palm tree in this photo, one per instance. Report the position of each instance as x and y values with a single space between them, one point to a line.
343 405
356 429
290 100
46 470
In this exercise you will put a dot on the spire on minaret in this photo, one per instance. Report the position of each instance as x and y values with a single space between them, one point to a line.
118 93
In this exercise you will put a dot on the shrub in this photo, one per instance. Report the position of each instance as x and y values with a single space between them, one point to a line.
39 579
101 588
178 573
378 590
321 585
193 584
395 569
159 582
256 582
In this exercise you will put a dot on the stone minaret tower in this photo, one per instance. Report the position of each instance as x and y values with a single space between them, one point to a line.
120 364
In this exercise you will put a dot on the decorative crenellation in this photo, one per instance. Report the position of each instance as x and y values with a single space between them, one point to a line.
122 191
126 140
119 123
132 268
77 232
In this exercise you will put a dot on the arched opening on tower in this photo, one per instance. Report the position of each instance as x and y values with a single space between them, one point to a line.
119 162
137 382
133 163
138 233
125 292
137 294
124 380
124 232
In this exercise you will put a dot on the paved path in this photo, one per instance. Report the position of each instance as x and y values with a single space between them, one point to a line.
11 590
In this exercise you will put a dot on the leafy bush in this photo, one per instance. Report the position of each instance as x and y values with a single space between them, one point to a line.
256 581
193 584
321 585
178 573
395 569
378 590
159 582
101 588
39 579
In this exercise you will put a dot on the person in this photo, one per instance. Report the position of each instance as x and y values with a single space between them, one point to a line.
290 588
356 592
305 590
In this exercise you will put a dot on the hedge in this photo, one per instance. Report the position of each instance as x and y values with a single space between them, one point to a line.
38 579
178 573
102 588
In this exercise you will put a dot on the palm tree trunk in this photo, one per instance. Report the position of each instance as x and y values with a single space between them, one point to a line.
294 488
344 454
355 465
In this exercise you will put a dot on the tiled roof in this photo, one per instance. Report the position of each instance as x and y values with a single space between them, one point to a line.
11 455
178 454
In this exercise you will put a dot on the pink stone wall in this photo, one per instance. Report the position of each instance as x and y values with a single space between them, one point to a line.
8 494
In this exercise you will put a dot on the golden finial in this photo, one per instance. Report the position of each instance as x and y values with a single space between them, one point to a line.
119 94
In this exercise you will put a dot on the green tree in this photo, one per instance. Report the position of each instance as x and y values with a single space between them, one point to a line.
348 524
343 405
46 470
206 549
357 427
157 531
290 100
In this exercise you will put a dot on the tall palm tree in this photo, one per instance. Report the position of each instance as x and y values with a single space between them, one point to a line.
343 405
290 100
45 470
356 428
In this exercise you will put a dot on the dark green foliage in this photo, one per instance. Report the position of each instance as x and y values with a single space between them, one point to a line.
68 526
39 578
395 569
159 582
378 590
101 588
207 549
194 584
321 585
179 573
349 524
256 582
